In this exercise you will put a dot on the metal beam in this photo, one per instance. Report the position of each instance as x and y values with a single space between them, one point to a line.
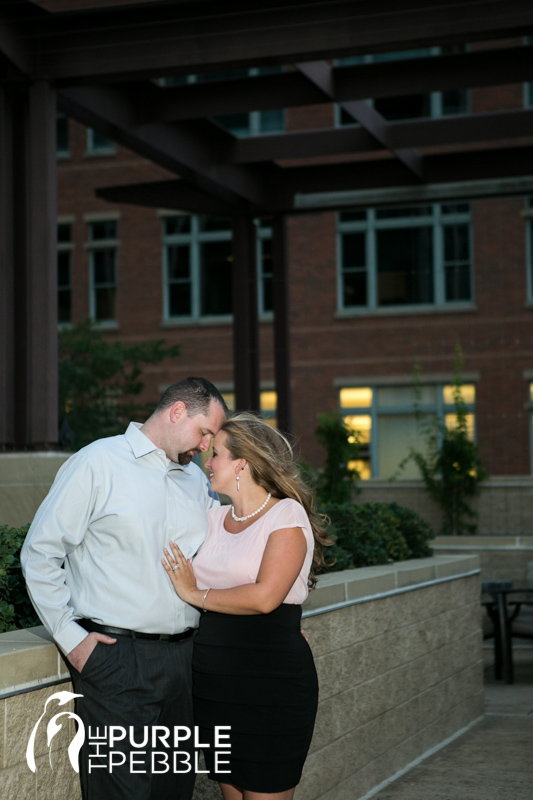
359 82
470 165
176 38
321 75
282 337
246 368
172 194
409 133
192 150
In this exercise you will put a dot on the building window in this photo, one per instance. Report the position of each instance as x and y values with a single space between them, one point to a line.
98 144
197 265
62 136
435 104
404 256
384 422
102 246
64 273
268 403
250 123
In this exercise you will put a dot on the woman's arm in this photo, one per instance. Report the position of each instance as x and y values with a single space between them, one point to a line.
280 566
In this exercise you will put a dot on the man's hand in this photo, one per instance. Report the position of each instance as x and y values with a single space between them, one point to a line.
81 653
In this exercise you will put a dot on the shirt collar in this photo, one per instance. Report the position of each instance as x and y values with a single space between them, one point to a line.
141 445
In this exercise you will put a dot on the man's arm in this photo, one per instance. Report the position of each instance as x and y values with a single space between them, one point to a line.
60 526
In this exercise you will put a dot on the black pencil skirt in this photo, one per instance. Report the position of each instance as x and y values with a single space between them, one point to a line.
257 675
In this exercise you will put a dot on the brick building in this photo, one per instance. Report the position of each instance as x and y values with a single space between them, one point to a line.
374 289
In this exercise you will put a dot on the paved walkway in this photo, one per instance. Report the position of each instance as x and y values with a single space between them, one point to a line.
492 761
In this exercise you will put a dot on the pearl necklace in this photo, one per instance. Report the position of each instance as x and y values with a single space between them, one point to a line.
248 516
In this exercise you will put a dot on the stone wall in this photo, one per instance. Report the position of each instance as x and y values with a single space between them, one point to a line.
501 557
398 654
505 504
25 479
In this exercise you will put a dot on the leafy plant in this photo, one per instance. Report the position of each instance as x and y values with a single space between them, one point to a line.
16 610
336 482
451 469
368 534
99 382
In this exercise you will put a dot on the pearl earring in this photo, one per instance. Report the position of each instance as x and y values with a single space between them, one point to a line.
238 483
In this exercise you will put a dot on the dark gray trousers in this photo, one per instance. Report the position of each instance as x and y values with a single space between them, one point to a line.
141 683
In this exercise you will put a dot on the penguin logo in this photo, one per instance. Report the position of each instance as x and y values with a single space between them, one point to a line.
54 727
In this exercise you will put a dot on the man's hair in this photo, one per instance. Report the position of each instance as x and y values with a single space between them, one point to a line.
195 393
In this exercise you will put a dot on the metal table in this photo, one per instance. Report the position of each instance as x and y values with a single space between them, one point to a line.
502 601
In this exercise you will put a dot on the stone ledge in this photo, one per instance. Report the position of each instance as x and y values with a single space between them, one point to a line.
367 582
29 659
483 542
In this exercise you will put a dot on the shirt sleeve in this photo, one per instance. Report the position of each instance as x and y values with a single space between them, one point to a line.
59 527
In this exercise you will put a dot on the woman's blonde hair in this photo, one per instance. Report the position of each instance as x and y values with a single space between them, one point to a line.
272 465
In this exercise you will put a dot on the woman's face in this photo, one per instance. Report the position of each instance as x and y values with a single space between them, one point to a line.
222 468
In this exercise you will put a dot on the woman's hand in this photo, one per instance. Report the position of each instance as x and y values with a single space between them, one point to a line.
181 573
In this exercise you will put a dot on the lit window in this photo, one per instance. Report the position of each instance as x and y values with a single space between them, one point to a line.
404 256
384 421
197 265
102 247
64 273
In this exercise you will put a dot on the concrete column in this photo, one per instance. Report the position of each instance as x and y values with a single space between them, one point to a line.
28 273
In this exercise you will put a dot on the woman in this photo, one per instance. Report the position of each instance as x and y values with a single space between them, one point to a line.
252 668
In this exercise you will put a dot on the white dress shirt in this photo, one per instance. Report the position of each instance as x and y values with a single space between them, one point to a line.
95 546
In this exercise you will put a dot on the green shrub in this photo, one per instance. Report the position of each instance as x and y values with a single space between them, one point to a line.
368 534
16 610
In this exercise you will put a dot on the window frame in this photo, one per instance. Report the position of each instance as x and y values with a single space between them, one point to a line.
370 227
97 245
375 411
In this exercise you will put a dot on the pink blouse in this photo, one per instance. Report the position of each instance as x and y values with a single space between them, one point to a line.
231 559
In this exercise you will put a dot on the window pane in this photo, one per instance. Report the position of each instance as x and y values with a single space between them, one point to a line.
405 266
457 262
63 232
269 401
397 433
468 394
99 142
406 107
208 223
406 396
356 397
63 269
179 299
62 133
455 102
216 280
229 398
103 266
178 262
361 424
353 250
105 303
271 121
355 288
352 216
238 124
64 295
403 212
450 421
106 229
178 224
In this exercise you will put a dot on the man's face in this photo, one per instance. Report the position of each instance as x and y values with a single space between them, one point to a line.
194 434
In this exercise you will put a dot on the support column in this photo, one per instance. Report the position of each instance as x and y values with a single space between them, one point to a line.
7 298
28 231
282 359
245 316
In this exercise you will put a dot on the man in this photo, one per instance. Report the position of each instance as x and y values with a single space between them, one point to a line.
92 562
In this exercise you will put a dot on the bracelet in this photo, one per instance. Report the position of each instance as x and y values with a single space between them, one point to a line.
205 595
